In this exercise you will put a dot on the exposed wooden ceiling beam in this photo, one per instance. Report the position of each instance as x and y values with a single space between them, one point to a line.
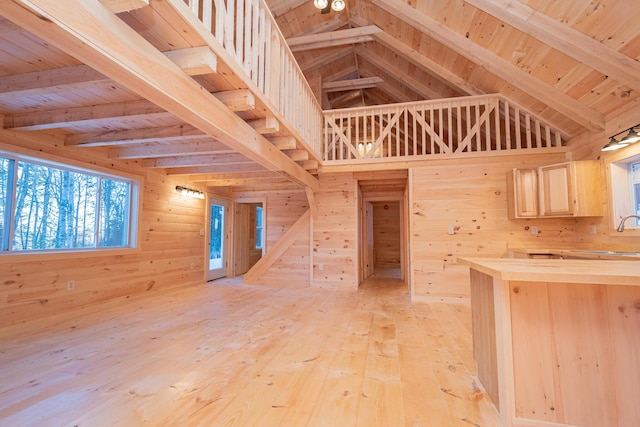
72 116
134 136
352 84
118 6
401 76
199 160
332 39
346 99
495 64
155 150
235 100
195 61
427 65
562 37
234 168
249 176
55 81
320 60
326 26
281 7
98 38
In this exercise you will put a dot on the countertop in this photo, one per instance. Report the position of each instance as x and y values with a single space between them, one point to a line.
587 271
579 253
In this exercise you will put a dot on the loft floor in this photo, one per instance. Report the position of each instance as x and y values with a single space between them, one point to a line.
236 355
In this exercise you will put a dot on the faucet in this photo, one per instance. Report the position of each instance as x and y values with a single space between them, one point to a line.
621 226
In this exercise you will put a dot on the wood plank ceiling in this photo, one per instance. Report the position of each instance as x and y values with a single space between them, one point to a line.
574 63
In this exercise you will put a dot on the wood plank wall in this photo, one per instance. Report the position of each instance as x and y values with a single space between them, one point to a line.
283 208
386 234
470 196
335 233
35 286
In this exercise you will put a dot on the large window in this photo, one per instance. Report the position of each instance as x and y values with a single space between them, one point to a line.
46 207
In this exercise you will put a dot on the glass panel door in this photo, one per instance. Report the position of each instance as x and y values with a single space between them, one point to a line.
217 240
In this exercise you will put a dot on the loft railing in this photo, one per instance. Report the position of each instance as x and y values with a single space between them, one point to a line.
445 128
248 32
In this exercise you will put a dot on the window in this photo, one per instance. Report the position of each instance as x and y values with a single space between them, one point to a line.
625 185
259 227
47 207
634 189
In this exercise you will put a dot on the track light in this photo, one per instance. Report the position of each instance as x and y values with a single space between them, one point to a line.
632 137
190 192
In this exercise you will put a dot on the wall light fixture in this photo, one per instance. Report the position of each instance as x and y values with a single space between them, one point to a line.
190 192
632 137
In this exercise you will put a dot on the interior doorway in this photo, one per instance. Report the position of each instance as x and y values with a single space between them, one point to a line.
248 236
383 206
382 243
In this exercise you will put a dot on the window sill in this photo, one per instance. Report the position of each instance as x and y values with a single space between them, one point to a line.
14 257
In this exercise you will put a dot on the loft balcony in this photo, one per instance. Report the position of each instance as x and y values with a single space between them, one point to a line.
210 89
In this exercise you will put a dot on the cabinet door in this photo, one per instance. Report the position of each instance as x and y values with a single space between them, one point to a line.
556 190
526 193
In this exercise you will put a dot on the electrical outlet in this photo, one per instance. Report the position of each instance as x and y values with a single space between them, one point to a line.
534 230
321 266
71 285
593 229
192 266
451 230
202 231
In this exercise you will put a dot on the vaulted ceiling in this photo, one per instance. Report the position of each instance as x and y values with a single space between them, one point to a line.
77 74
574 62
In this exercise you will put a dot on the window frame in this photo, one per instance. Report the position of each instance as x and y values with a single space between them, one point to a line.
62 163
620 189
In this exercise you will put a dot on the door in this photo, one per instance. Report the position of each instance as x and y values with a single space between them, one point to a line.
217 263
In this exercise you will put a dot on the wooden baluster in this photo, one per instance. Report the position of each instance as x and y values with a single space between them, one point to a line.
497 125
507 125
527 125
518 129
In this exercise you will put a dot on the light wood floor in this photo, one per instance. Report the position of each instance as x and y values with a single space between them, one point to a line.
226 354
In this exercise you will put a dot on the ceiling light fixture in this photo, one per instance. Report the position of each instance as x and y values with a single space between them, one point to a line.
320 4
336 5
632 137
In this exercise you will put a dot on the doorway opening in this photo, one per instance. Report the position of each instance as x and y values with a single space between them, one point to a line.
383 229
248 236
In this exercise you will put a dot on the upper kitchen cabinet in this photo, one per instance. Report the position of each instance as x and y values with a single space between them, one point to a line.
570 189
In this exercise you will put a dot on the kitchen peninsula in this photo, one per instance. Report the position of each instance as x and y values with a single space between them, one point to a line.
557 342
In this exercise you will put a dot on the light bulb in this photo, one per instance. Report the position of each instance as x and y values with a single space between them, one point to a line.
320 4
338 5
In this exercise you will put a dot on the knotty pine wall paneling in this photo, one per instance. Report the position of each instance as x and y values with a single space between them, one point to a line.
386 234
470 196
335 233
34 286
283 209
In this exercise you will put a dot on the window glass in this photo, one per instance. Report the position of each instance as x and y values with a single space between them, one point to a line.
54 208
4 196
51 207
634 169
259 228
114 212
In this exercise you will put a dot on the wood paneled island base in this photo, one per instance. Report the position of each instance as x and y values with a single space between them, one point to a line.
558 352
